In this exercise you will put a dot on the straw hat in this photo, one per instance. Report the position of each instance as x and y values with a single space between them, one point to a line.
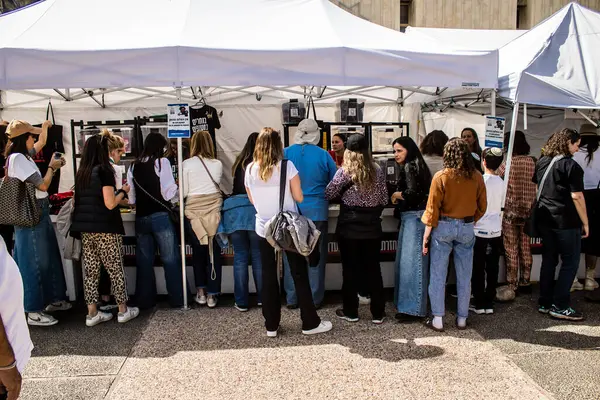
17 128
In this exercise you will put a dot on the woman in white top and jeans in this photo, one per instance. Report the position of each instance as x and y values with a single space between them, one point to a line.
36 249
202 174
262 184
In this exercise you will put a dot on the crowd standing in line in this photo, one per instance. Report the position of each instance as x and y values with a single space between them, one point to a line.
446 208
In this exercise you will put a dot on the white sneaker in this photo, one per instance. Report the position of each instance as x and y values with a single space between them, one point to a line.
576 285
99 318
591 284
364 300
212 301
324 326
489 310
131 313
41 319
272 334
200 299
477 311
59 306
240 308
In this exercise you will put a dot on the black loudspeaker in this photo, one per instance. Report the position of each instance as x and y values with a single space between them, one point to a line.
351 110
293 112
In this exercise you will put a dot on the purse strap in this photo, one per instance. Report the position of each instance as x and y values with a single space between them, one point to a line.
541 186
149 195
282 183
211 177
49 110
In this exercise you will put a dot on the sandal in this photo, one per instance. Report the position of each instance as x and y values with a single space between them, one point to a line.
429 323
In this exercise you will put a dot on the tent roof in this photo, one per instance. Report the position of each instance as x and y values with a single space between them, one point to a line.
556 62
162 43
466 39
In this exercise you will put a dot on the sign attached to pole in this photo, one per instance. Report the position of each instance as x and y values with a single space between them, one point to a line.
494 131
178 121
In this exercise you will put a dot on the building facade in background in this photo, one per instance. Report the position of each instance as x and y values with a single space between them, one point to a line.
464 14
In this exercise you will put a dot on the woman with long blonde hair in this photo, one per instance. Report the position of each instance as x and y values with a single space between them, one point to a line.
201 176
360 184
262 181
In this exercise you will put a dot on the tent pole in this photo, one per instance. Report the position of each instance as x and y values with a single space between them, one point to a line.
181 213
525 116
511 145
493 113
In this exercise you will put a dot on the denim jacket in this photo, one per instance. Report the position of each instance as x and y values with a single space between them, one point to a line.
238 214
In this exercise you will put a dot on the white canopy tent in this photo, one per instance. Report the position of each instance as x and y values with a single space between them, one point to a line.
466 39
149 43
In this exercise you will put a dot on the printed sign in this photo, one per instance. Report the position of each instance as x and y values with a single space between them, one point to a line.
178 121
494 131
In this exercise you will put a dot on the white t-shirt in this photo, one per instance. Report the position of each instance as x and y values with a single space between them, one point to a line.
11 308
266 194
22 167
490 225
591 171
196 179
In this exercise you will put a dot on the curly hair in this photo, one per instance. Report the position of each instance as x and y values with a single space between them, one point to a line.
433 144
361 167
268 152
457 156
558 144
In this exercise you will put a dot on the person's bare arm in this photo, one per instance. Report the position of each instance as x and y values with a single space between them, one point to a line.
43 138
296 189
579 202
10 378
110 200
54 166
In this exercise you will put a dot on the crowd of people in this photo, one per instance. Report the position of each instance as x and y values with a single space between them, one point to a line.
448 200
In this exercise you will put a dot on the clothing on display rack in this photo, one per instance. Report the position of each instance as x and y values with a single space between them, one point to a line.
205 118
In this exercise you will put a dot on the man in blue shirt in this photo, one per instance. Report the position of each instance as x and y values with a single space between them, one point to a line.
316 169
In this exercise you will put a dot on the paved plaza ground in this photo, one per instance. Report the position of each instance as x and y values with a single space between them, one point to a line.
224 354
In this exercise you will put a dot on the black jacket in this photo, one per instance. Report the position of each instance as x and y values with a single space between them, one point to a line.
90 214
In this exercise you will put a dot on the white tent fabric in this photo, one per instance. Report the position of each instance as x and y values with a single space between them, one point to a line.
466 39
149 43
556 62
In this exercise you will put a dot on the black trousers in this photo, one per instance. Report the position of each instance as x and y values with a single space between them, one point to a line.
360 261
486 259
271 298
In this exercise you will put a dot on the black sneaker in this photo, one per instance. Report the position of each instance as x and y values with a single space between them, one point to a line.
544 309
340 314
567 314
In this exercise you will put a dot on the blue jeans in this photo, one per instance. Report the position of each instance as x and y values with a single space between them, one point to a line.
204 277
246 247
567 244
451 234
38 257
412 268
154 231
316 273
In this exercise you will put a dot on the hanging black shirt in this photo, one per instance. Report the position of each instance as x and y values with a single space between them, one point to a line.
205 118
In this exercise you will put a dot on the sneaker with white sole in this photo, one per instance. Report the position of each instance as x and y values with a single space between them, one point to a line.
200 299
240 308
477 310
577 286
272 334
41 319
59 306
324 326
489 311
340 314
99 318
364 300
590 284
378 321
108 307
212 301
567 314
131 313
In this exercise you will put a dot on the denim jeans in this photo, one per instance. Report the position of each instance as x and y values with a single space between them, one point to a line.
451 234
246 247
204 277
316 273
412 268
154 231
38 257
567 244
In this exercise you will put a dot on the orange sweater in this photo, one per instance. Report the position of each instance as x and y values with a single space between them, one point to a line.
456 197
